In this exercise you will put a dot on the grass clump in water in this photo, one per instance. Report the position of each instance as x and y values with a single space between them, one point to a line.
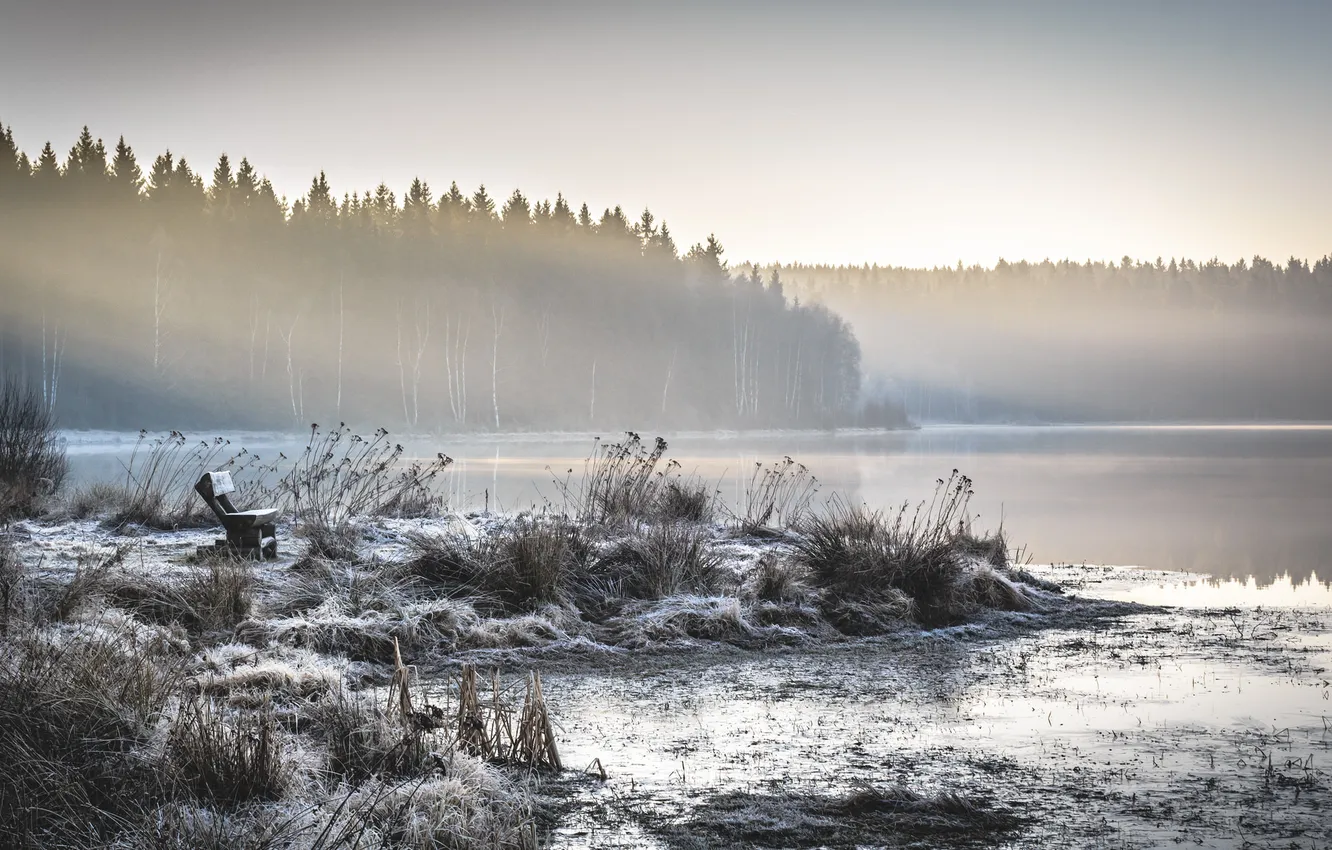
859 556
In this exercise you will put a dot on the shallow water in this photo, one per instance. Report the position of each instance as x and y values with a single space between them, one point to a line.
1227 502
1192 726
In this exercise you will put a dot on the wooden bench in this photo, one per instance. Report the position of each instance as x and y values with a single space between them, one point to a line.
252 534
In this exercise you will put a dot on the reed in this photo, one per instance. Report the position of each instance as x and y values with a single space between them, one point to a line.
341 476
777 494
158 488
32 454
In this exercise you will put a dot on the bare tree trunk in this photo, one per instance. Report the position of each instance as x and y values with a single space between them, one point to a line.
402 375
422 337
498 318
160 299
455 368
666 386
44 399
592 408
341 323
57 357
545 336
254 330
287 337
268 324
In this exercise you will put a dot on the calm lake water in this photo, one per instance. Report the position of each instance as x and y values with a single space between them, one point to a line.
1230 502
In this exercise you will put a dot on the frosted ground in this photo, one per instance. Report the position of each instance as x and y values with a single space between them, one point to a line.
1115 723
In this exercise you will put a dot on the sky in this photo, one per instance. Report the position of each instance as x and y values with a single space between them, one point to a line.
822 132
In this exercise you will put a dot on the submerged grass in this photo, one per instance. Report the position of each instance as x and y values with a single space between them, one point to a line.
869 815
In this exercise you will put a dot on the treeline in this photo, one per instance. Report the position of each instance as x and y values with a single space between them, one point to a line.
1166 340
1258 284
161 295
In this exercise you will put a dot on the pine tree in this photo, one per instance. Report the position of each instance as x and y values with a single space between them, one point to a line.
126 178
247 188
646 230
187 188
269 207
10 165
47 172
517 213
160 177
614 224
85 167
319 203
562 217
543 214
453 206
665 243
585 218
385 208
482 208
224 183
417 208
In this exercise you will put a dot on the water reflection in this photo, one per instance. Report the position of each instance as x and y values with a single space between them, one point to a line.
1229 502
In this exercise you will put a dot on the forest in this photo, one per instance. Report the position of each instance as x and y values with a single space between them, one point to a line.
1163 340
158 295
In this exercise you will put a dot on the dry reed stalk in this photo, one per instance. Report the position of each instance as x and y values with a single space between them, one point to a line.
398 687
535 742
471 724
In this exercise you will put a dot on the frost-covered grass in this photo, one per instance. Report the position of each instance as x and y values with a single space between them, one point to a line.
124 733
245 704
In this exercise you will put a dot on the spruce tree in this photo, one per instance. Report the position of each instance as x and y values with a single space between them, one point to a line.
126 178
482 208
47 172
585 217
10 165
247 187
645 230
224 183
85 167
453 206
319 203
417 208
385 208
563 217
187 189
517 213
160 177
665 243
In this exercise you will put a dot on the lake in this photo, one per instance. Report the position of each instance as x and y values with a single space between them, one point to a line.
1232 502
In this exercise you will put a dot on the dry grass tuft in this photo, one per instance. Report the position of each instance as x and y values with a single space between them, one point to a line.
861 556
663 560
527 563
78 702
32 457
227 761
216 596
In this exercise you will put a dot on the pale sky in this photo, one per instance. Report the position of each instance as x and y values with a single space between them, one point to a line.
838 132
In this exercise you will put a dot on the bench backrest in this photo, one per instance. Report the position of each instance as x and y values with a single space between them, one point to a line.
216 484
214 487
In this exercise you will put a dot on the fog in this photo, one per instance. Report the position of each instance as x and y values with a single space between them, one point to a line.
160 297
1132 341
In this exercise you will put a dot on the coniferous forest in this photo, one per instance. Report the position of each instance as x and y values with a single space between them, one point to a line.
160 294
1160 340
